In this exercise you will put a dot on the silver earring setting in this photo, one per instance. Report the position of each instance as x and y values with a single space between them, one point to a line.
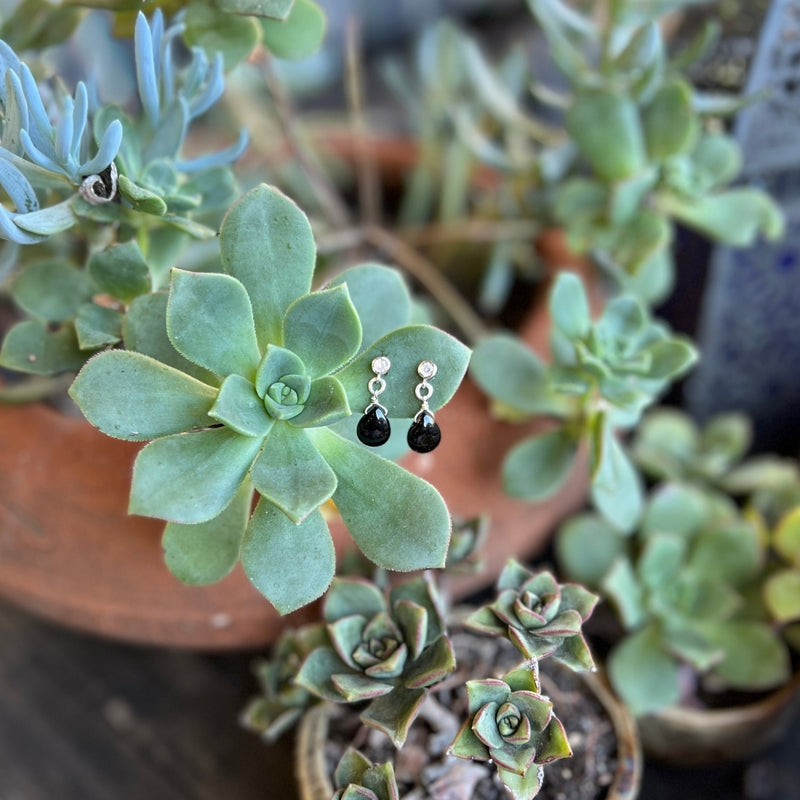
424 434
373 428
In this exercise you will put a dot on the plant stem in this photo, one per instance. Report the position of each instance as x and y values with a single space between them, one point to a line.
333 205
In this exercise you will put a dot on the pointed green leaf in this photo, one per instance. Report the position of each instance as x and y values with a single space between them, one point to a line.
266 242
317 670
616 486
380 297
145 331
615 149
356 688
299 35
586 546
522 786
394 712
205 553
131 396
30 346
140 198
669 122
97 326
51 290
326 404
755 656
291 473
349 596
210 322
120 271
291 565
399 521
509 372
323 329
191 477
569 306
48 221
621 585
240 408
643 674
782 595
538 466
405 348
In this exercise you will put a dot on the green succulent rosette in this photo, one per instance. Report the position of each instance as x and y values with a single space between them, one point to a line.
542 617
357 778
511 724
386 651
244 383
282 702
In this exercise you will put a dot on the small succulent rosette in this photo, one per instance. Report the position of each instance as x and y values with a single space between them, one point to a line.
357 778
244 383
282 702
513 725
542 617
386 651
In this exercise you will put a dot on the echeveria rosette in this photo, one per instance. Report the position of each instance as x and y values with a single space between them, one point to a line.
511 724
542 617
384 651
603 374
282 702
242 396
357 778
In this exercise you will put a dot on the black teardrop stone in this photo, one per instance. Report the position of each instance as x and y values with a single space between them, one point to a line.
373 428
424 434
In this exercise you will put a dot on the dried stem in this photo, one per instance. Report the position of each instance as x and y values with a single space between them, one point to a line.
333 205
369 187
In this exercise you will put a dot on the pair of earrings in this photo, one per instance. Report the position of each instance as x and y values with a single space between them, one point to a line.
374 429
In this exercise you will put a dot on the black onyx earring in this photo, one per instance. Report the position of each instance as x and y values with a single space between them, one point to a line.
373 428
424 434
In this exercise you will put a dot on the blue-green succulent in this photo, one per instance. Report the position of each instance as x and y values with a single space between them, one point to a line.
244 382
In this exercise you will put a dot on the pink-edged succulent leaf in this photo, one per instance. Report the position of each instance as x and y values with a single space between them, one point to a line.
394 712
437 661
413 621
522 787
479 693
468 745
317 671
355 688
484 726
349 596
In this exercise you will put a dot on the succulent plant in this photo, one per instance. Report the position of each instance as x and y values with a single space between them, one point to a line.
688 590
357 778
782 583
130 209
513 725
669 445
540 616
238 378
282 702
604 373
387 651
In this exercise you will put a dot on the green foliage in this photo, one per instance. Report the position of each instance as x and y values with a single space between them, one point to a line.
511 724
627 147
384 650
540 616
696 586
603 375
275 365
357 778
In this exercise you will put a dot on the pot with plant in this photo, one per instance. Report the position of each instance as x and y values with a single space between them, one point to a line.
392 691
705 591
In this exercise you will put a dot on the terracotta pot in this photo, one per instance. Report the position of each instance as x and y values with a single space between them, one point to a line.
315 783
704 736
70 552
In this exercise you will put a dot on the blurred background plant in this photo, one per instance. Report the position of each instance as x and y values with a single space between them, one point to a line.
706 588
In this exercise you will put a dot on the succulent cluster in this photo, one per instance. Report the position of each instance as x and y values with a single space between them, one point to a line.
660 156
704 583
602 376
131 201
385 650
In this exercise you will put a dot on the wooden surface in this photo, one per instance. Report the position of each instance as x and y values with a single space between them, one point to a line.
83 718
86 719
